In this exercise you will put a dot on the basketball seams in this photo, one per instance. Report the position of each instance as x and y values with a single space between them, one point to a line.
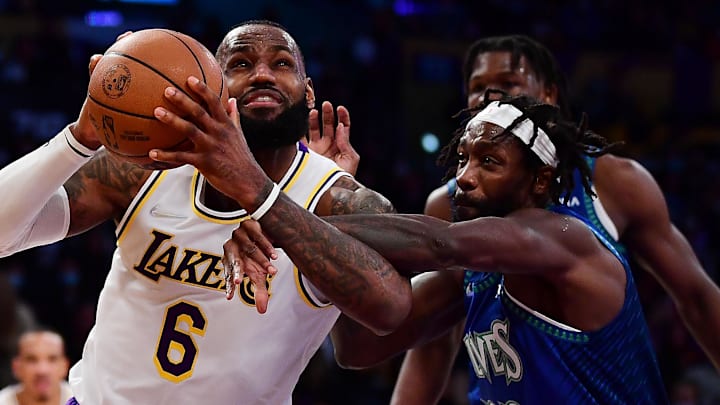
117 110
157 72
197 60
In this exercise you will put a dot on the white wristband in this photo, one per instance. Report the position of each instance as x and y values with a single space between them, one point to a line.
76 146
267 204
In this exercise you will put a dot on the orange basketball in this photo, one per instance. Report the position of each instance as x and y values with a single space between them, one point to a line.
128 83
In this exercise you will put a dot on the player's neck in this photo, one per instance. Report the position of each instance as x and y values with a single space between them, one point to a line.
275 162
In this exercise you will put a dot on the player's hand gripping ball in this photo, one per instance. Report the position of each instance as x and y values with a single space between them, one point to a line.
128 83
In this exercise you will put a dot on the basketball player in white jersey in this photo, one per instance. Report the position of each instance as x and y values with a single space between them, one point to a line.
164 333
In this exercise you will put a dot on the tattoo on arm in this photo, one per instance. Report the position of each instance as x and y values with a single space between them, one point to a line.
107 171
112 182
348 197
354 277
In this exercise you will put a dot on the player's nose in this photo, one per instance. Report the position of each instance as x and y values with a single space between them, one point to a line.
262 73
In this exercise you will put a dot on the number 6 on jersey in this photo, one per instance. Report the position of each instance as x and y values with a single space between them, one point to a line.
176 350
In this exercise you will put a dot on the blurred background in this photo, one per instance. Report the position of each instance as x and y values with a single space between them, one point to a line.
647 75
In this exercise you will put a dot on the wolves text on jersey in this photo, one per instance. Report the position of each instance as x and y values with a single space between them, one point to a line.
492 355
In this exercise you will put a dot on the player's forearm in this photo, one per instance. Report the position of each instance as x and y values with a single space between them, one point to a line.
357 279
426 370
405 240
668 256
701 315
30 183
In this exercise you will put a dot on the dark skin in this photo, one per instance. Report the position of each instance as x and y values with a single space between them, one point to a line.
565 272
634 203
265 74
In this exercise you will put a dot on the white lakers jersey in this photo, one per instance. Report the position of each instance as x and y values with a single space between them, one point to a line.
165 334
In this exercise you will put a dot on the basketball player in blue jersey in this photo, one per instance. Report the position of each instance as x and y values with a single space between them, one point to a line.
553 315
164 333
629 210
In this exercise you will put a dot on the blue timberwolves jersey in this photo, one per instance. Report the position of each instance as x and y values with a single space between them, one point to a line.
519 356
592 209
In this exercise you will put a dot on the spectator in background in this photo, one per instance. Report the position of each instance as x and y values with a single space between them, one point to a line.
40 366
15 318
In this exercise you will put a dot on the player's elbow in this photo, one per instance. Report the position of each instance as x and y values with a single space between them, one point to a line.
355 358
391 314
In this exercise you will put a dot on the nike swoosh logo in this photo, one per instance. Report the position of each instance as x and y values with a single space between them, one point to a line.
156 212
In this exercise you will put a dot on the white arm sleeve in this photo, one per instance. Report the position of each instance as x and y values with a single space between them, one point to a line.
35 208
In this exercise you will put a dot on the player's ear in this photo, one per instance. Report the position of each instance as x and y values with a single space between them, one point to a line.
543 180
550 94
309 93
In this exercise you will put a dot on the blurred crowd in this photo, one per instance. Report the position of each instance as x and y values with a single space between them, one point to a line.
647 76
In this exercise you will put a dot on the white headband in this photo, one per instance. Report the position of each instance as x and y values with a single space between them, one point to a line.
503 115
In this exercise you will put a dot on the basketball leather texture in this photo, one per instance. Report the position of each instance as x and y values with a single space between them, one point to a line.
128 83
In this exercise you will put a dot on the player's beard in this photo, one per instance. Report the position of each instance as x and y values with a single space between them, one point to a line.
285 129
477 208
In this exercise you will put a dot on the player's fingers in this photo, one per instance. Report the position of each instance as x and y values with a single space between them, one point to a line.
194 116
343 116
238 273
211 99
258 279
181 126
123 35
93 62
342 139
173 157
229 261
255 233
314 126
233 111
328 119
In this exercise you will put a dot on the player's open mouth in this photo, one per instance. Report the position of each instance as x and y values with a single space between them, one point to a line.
262 99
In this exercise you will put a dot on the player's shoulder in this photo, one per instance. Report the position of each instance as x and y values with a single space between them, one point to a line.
563 227
625 179
614 168
349 196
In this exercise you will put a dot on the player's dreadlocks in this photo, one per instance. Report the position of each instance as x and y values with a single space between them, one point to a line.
572 141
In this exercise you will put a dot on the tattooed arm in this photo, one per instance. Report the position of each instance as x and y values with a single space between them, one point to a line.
102 189
366 288
352 276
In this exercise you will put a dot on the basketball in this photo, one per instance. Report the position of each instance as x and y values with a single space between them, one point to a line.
128 83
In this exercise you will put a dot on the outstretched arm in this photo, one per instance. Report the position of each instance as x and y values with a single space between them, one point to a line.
414 243
354 277
661 249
